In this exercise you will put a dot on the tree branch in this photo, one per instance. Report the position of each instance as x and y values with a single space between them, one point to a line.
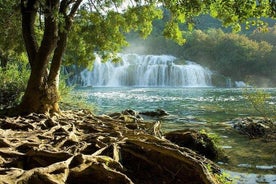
62 41
50 35
74 8
29 12
93 4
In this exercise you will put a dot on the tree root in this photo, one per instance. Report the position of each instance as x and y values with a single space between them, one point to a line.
78 147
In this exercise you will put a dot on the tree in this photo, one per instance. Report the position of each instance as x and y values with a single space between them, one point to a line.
103 23
10 40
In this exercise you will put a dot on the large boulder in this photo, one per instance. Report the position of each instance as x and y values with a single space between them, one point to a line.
194 140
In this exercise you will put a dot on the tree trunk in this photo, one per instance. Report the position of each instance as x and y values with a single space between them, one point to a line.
4 60
41 95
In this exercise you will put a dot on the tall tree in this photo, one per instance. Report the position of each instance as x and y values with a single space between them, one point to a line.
42 93
103 22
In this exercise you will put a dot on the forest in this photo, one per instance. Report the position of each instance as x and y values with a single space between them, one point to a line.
248 55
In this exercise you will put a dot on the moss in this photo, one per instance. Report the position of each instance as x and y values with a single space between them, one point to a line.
224 178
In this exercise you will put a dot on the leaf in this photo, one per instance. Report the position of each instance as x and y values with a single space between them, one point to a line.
213 10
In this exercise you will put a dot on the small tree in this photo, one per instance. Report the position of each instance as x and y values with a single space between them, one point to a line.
103 24
258 99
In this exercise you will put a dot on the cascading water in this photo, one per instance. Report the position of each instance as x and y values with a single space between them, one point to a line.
146 71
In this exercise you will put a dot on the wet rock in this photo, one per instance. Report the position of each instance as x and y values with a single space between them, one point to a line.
157 113
194 140
128 115
130 112
256 127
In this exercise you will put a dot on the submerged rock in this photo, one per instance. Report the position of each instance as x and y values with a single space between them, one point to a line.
157 113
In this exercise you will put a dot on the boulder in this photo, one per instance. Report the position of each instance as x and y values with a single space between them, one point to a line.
194 140
256 127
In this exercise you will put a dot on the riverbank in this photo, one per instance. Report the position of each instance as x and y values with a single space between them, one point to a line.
78 146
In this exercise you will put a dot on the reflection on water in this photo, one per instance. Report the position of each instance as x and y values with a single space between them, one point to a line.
254 161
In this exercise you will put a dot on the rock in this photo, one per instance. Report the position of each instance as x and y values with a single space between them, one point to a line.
256 127
130 112
157 113
128 115
194 140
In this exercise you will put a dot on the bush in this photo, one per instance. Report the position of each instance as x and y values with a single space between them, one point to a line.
14 79
64 89
13 83
259 100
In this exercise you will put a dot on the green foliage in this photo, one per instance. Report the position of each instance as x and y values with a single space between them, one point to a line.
70 100
14 77
94 32
268 36
223 177
64 89
258 99
216 140
75 101
234 12
232 55
172 31
10 30
13 83
214 137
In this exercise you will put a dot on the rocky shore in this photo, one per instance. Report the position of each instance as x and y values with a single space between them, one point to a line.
79 147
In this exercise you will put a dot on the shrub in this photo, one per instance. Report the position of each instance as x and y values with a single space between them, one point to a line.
258 99
13 83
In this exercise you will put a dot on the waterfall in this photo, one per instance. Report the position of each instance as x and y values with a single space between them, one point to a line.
146 71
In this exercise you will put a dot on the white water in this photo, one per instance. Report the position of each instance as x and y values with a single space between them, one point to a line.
146 71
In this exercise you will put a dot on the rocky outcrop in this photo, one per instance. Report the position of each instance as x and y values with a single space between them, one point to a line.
256 127
79 147
196 141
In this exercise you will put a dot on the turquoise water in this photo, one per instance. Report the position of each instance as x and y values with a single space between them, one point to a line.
206 104
212 109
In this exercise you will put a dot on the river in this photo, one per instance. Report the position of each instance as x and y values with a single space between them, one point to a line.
209 108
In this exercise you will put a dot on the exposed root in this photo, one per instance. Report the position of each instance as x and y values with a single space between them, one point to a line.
78 147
